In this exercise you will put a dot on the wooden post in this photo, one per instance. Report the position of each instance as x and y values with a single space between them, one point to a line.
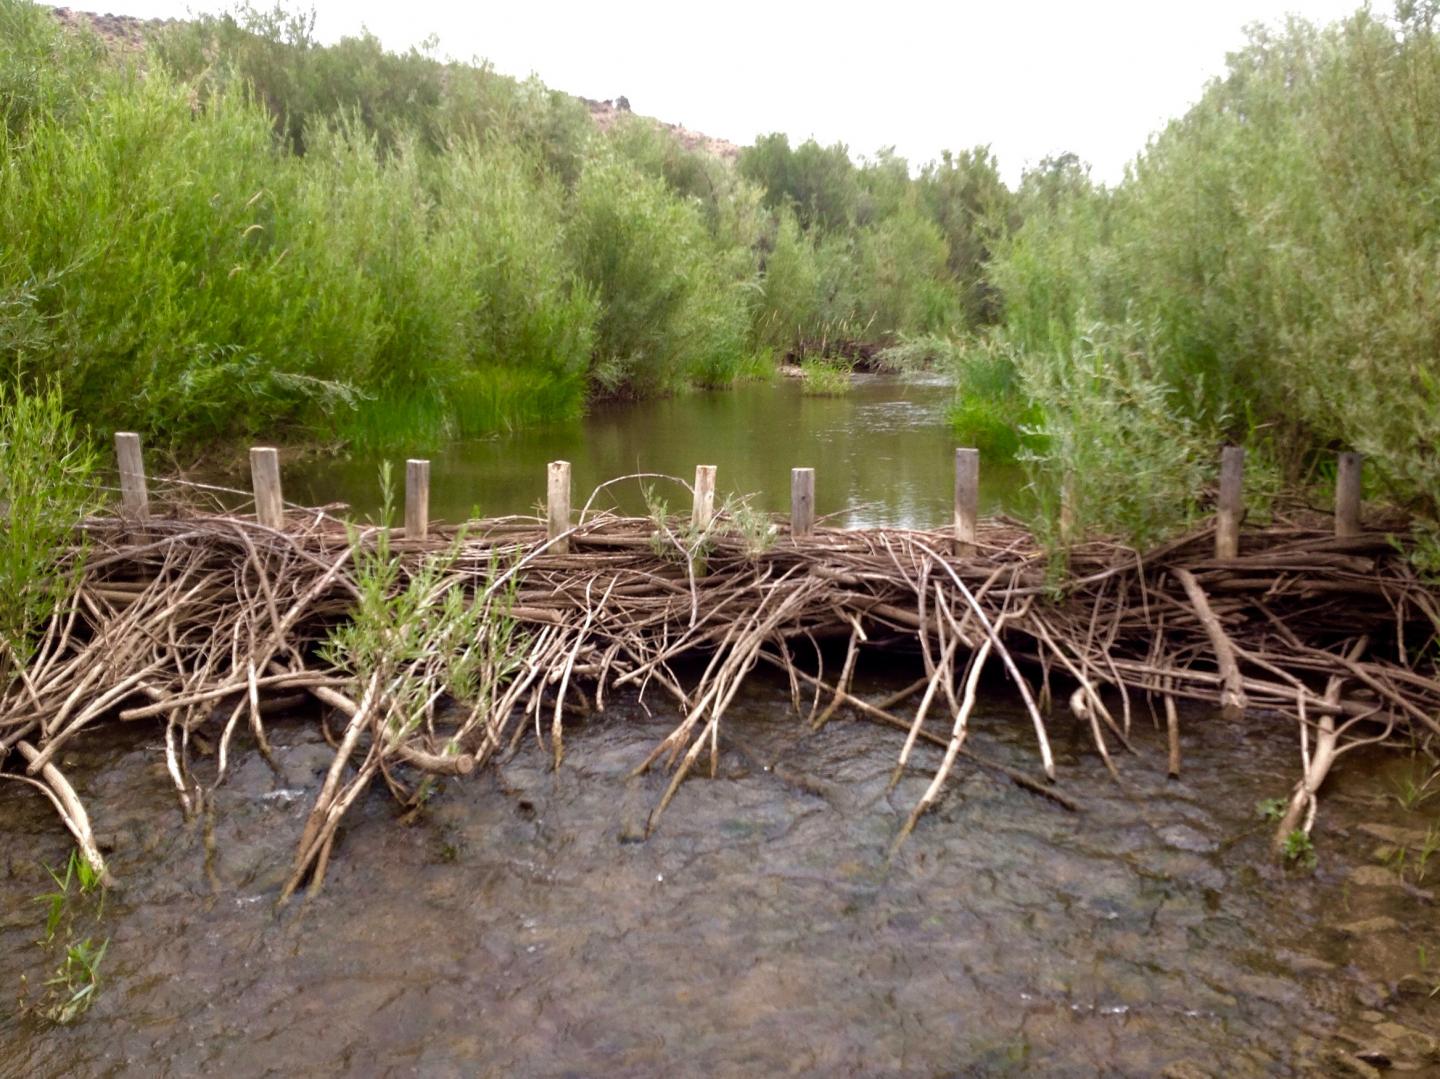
802 501
1347 495
703 511
557 497
265 479
1232 502
967 500
134 499
417 498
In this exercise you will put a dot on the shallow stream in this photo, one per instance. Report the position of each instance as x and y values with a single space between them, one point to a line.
519 925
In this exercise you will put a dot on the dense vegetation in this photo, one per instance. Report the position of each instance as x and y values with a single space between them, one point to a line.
240 230
1267 273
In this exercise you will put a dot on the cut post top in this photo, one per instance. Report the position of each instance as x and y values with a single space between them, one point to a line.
703 511
417 498
802 501
1348 486
1230 510
967 500
134 497
557 505
265 480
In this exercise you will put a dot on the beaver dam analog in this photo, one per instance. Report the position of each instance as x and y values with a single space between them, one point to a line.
434 650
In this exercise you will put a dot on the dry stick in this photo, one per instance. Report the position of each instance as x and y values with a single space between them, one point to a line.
591 610
857 635
1020 779
1317 765
957 738
902 694
919 721
72 812
315 822
1046 757
1172 732
1232 696
741 660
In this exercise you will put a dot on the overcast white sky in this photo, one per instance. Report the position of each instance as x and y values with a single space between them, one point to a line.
1029 79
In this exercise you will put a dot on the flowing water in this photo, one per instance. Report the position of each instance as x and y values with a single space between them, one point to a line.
521 924
882 455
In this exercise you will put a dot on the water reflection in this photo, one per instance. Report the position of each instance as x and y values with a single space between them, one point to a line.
883 455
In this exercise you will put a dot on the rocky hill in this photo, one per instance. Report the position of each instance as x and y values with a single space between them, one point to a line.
125 32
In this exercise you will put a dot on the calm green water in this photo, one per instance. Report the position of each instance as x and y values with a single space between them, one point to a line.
883 455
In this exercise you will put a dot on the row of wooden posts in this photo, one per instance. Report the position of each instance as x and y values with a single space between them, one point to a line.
270 507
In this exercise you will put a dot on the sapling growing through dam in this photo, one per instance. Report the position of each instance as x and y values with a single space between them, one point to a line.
427 650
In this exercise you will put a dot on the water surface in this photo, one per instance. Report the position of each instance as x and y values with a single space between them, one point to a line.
519 926
883 455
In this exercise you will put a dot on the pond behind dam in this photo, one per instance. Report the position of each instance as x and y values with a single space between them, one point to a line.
883 454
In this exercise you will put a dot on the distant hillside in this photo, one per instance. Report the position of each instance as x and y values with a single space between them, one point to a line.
129 33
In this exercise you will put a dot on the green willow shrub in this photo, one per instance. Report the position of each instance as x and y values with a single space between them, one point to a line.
45 490
1110 446
791 302
972 207
818 183
992 410
901 278
1281 245
665 309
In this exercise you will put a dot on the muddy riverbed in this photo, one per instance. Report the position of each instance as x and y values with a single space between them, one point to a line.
519 926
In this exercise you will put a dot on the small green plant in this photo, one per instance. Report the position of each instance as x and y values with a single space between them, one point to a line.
1299 849
71 988
755 528
418 635
1414 863
1418 784
675 539
45 490
1270 809
75 981
1425 552
824 378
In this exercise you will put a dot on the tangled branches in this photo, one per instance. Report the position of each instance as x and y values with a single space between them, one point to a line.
439 654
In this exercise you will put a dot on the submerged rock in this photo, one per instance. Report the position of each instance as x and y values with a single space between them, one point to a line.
1396 836
1183 837
1374 876
1366 927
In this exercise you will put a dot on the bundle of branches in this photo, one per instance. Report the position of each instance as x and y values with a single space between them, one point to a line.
440 653
1337 634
